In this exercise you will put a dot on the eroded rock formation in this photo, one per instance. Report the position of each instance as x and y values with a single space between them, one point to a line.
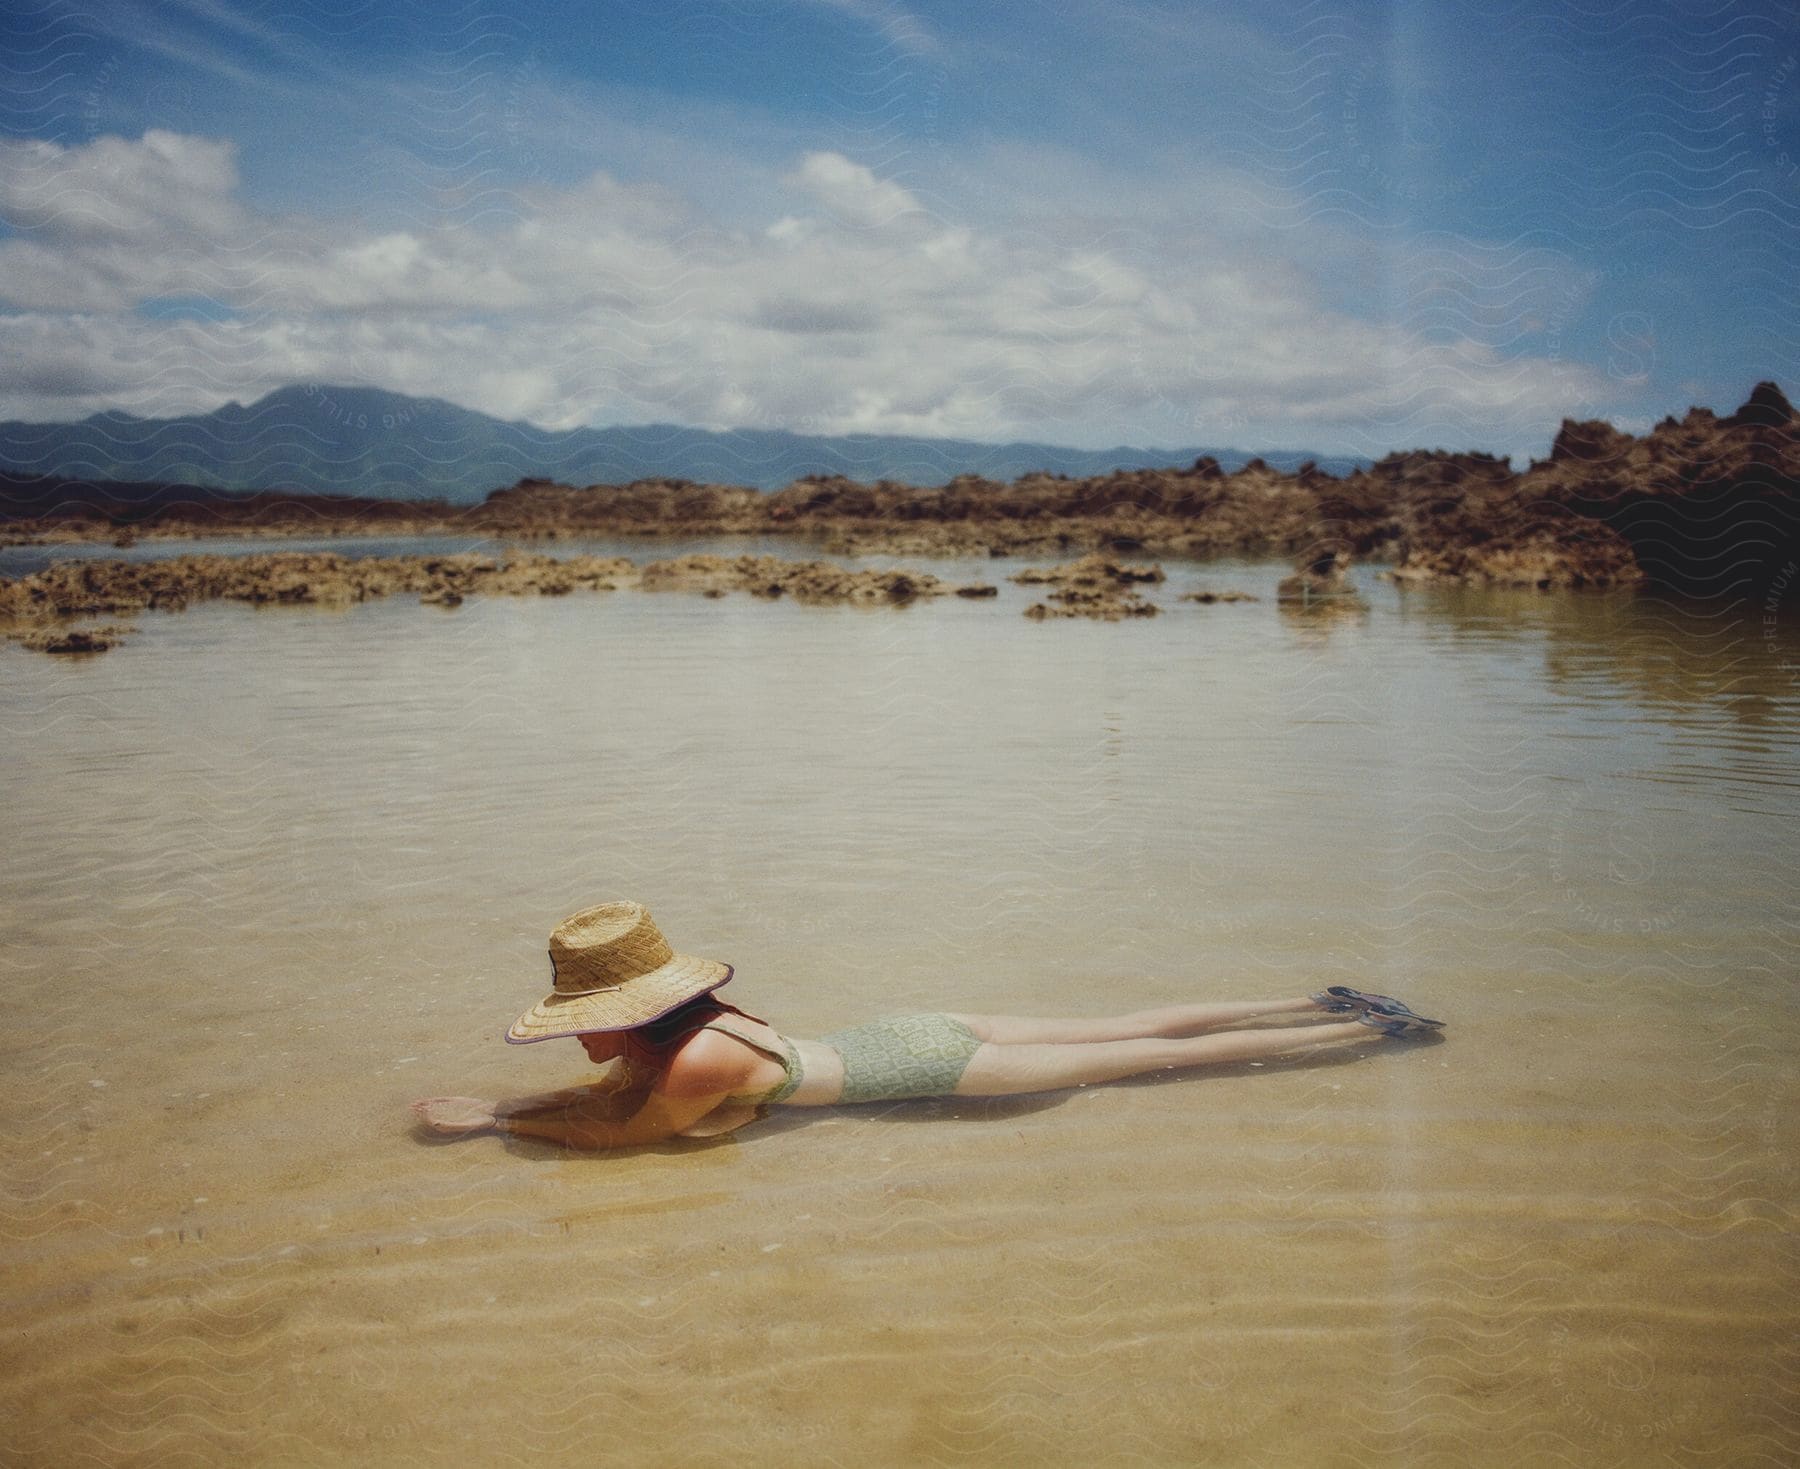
36 608
1094 586
1702 503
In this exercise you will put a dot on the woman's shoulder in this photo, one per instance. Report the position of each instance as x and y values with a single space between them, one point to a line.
709 1061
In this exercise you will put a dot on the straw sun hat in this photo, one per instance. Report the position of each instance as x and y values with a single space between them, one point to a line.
614 970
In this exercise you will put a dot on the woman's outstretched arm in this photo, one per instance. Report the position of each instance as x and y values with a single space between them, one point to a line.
568 1096
661 1116
576 1124
700 1077
457 1116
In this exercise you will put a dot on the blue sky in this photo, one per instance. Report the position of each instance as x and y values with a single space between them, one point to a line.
1351 228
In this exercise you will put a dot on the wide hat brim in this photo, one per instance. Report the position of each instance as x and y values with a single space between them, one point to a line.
637 1001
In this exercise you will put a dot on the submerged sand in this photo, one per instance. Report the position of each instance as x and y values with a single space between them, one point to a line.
1383 1259
274 877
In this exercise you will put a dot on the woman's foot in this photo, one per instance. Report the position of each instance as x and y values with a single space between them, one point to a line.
1340 999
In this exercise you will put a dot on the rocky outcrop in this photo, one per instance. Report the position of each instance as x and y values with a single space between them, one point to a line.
72 639
1701 503
772 576
70 588
1207 596
1524 544
1095 586
38 607
1320 577
1766 407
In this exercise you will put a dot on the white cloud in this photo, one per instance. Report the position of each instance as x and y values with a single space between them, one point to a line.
118 190
851 192
616 302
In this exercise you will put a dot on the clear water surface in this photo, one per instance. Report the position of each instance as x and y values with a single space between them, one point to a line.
269 874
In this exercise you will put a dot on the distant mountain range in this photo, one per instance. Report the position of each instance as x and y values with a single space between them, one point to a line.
363 441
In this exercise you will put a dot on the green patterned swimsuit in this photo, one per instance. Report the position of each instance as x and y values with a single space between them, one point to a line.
884 1061
903 1056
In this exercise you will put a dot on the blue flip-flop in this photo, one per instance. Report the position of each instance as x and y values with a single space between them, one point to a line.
1340 999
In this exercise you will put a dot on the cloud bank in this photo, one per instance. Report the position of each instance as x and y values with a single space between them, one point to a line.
135 276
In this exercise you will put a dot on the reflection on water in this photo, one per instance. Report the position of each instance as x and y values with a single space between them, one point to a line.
1671 654
272 873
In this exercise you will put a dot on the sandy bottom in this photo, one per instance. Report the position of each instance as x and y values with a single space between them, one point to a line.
282 875
1531 1243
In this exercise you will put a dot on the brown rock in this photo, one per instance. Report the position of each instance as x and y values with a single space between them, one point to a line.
1593 441
73 640
1094 586
1697 501
770 576
1090 571
1319 578
1208 596
1068 603
1766 407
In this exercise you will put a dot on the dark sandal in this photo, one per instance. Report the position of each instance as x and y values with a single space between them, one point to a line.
1340 999
1404 1027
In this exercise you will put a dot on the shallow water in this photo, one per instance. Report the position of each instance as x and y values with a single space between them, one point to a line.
17 561
272 873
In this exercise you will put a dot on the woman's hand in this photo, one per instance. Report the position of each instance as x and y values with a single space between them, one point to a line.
454 1116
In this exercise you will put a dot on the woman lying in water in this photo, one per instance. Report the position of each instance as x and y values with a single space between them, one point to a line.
706 1067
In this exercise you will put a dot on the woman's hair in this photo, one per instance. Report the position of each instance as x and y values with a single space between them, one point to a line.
683 1019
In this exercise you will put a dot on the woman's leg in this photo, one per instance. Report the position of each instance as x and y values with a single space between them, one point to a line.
1175 1020
1007 1070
